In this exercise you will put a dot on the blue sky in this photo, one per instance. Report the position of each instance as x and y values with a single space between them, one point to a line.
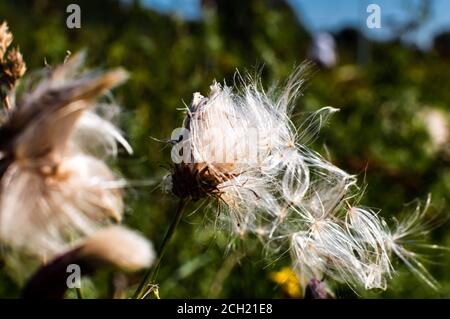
322 15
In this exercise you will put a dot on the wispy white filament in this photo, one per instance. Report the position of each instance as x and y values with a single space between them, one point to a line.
281 189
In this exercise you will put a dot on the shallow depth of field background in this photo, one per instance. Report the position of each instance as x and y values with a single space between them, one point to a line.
387 92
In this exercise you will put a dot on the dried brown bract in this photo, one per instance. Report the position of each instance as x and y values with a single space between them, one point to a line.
12 66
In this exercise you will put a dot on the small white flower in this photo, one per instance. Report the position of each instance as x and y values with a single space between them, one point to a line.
437 124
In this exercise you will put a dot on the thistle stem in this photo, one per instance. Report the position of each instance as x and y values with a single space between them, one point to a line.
151 274
79 293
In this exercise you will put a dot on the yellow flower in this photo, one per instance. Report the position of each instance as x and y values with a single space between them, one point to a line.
288 281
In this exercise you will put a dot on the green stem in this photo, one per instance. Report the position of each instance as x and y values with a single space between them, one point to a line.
151 274
79 293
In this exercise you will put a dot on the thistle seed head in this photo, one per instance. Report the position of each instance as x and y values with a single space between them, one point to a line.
53 191
276 187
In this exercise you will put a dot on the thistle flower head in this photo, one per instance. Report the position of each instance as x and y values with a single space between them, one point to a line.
242 148
230 152
52 190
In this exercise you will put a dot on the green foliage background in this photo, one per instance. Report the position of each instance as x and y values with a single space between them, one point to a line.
379 132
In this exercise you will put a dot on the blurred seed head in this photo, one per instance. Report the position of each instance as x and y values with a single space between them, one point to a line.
118 246
52 191
112 247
